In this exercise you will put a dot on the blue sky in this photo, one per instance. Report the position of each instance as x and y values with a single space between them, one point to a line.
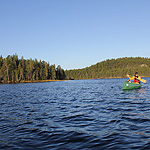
75 33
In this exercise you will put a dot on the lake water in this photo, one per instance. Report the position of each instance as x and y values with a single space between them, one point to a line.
71 115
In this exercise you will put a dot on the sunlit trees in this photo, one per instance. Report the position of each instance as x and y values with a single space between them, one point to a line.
112 68
53 72
13 69
60 74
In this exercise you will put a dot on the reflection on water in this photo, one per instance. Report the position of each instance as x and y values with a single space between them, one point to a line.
138 93
78 114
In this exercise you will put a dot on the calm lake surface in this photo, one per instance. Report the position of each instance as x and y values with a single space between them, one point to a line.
71 115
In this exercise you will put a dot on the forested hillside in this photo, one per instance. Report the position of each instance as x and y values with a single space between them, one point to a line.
13 69
112 68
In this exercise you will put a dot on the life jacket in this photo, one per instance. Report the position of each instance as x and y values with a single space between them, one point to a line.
136 79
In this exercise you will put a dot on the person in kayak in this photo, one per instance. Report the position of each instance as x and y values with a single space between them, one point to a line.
136 78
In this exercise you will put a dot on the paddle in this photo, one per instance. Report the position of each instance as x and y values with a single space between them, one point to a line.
142 80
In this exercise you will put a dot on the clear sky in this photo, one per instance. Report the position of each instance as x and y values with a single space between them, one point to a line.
75 33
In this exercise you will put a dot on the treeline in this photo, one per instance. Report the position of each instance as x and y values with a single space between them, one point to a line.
112 69
13 69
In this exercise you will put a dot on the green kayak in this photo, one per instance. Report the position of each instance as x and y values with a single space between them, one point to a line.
130 86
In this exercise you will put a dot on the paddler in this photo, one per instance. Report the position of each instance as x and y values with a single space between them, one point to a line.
136 78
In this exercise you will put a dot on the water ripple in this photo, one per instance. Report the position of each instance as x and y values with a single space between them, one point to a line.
81 114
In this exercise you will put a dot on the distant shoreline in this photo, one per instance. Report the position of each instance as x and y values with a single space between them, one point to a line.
40 81
35 81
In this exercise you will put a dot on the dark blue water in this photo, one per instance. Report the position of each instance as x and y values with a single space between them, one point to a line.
81 114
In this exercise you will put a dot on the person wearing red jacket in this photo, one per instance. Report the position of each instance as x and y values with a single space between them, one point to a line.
136 78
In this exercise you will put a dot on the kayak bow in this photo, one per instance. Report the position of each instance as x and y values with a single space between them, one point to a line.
130 86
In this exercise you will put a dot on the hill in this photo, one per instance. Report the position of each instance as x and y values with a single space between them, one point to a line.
112 68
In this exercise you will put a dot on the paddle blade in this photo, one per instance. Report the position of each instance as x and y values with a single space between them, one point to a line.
142 80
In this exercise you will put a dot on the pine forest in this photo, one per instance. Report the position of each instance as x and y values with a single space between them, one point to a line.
114 68
15 70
